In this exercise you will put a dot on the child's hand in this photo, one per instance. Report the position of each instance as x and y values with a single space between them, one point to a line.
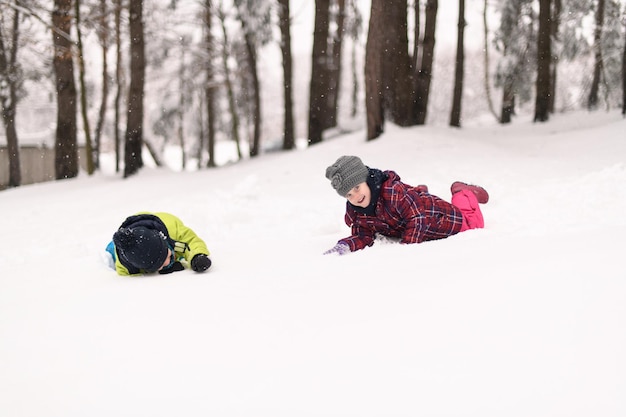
176 266
339 249
200 262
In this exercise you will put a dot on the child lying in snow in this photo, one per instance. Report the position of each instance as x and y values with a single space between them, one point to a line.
156 242
378 202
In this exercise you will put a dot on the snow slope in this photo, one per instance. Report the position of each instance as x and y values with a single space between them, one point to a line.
523 318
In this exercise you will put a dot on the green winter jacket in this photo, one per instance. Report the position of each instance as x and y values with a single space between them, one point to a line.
186 243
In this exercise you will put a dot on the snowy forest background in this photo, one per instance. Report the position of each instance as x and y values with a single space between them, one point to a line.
222 80
522 318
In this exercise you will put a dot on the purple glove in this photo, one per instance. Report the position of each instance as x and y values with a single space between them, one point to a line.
339 249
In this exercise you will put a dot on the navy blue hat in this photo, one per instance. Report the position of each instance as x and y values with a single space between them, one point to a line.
144 248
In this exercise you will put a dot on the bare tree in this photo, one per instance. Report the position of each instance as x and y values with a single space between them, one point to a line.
612 42
234 115
182 102
554 33
417 27
9 77
251 54
285 47
334 70
83 89
119 75
326 66
374 72
455 114
210 81
389 85
516 40
103 38
201 126
423 74
133 160
544 56
318 102
592 101
398 85
254 16
624 78
66 148
353 29
487 78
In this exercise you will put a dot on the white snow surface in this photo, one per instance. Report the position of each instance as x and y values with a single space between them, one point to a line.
526 317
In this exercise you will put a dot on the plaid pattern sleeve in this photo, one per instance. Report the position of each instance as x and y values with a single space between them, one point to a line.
362 233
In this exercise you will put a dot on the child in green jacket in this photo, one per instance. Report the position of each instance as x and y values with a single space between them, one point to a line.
156 242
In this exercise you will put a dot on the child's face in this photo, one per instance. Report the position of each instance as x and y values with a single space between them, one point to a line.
168 260
360 195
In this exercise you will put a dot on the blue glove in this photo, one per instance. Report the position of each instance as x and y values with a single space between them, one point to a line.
339 249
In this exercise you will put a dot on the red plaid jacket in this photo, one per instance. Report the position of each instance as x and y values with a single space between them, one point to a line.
405 213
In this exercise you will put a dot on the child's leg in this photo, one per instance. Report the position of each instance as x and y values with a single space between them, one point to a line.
481 194
466 201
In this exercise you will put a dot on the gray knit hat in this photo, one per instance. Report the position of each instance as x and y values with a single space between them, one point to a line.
346 173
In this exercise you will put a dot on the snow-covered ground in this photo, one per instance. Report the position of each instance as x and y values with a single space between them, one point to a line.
526 317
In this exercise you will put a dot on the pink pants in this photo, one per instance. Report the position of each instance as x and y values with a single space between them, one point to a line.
466 201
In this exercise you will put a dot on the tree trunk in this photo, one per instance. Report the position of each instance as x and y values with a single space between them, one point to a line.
416 40
134 122
398 80
508 101
83 91
251 54
424 75
374 72
592 102
234 116
13 149
210 82
487 60
103 36
455 114
119 75
624 78
517 40
318 99
285 47
556 20
66 148
334 73
181 103
10 78
544 55
355 81
201 134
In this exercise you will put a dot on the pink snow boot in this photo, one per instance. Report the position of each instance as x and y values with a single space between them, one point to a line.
481 194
